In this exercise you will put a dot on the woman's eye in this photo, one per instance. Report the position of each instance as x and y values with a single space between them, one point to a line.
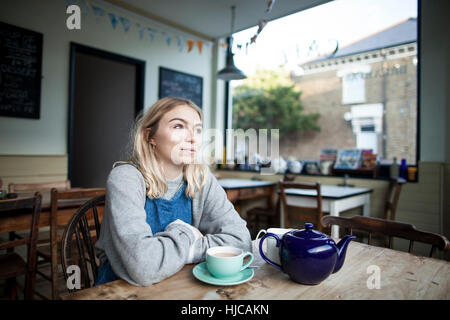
178 125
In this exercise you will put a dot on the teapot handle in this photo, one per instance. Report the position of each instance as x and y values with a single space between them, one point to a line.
262 253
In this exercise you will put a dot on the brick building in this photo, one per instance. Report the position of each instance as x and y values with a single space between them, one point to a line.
367 97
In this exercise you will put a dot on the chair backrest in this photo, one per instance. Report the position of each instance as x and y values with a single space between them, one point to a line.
82 253
392 196
19 205
306 214
77 196
18 187
390 229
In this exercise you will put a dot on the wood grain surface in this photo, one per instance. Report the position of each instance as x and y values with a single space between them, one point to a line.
402 276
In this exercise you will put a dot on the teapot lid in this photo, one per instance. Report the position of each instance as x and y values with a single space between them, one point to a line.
309 233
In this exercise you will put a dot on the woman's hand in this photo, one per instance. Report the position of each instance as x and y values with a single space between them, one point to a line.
196 232
197 235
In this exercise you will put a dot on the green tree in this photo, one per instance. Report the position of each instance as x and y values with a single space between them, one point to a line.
270 100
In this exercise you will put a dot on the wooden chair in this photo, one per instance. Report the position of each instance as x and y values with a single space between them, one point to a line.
259 217
50 252
12 264
390 229
81 252
392 196
304 214
46 186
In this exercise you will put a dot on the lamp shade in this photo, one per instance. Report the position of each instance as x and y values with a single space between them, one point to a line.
230 72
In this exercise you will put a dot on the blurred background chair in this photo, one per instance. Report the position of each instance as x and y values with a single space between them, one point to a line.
12 264
297 216
390 229
392 197
263 218
78 242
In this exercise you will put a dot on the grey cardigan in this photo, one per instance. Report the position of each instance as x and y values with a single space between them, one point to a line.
143 258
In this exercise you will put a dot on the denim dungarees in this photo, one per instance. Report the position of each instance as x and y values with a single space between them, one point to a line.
160 213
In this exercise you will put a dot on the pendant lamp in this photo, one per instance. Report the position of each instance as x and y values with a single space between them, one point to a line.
230 72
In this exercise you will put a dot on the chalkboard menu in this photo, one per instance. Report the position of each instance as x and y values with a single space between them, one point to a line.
20 72
182 85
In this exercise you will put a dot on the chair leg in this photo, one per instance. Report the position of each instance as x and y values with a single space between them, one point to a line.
11 288
54 272
30 281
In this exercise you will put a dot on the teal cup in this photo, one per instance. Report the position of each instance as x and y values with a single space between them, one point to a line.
226 262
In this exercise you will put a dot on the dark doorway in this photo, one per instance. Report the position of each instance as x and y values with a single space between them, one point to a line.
106 94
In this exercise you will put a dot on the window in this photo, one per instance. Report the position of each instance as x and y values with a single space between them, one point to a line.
364 95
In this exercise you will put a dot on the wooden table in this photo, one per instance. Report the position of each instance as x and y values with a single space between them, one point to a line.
242 189
335 199
22 221
402 276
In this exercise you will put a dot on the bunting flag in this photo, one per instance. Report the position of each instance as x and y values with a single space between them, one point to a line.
270 4
200 46
70 2
190 44
98 12
141 30
167 37
152 33
180 43
261 25
125 23
113 19
84 8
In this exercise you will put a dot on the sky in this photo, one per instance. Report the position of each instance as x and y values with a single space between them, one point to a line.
288 41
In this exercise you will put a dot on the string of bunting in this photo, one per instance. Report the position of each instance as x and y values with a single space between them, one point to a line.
261 25
144 31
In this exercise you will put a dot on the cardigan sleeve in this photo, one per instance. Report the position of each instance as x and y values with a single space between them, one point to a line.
220 223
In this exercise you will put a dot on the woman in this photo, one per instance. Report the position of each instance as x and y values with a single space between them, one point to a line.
163 208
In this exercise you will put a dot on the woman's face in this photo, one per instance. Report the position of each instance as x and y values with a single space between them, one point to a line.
178 138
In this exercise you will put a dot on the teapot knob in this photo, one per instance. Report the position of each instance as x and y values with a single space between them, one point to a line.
309 226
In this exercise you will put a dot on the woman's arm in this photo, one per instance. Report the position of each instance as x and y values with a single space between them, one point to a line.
220 223
146 257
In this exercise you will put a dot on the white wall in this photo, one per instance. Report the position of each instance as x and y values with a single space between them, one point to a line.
48 135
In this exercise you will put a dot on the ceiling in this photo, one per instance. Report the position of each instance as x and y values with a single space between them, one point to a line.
211 19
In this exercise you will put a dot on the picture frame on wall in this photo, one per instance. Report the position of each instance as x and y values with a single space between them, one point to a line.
21 72
174 83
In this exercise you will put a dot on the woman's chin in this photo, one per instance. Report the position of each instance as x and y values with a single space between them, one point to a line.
185 160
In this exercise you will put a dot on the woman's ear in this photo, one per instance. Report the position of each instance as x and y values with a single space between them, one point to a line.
147 134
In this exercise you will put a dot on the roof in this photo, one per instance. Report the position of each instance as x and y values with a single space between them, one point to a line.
400 33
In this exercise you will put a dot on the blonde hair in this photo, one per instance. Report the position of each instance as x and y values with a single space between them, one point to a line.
143 157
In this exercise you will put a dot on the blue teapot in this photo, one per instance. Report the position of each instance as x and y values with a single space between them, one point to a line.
308 256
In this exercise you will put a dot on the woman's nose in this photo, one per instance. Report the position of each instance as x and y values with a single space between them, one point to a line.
190 136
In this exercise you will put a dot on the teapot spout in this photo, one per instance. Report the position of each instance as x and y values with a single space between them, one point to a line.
342 248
